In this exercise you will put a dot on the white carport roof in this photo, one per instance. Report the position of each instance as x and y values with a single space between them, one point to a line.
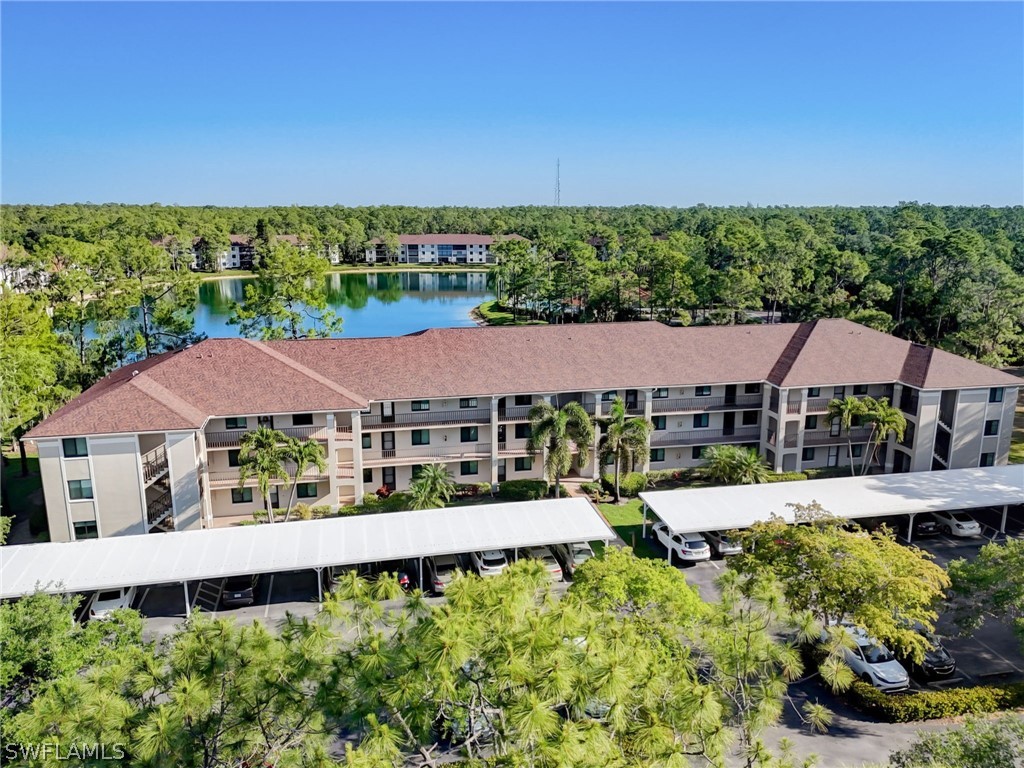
212 554
740 506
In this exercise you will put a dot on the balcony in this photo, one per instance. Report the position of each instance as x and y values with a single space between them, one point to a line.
706 436
789 441
154 465
229 478
690 404
859 435
428 418
343 434
792 408
426 454
504 449
233 438
818 405
516 413
159 510
345 472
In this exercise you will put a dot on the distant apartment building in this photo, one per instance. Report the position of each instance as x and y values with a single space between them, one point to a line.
154 446
240 253
438 249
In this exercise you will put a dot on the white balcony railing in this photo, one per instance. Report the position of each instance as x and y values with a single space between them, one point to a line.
427 454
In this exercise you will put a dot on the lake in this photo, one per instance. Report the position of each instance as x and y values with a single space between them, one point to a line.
370 303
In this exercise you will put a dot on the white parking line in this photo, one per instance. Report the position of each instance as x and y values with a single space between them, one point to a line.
714 565
996 653
270 594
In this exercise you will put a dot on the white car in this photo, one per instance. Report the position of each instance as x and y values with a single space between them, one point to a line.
690 547
957 523
489 563
722 544
110 600
574 555
547 558
873 663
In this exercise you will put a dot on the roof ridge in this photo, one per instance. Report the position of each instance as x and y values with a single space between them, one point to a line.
166 397
790 353
295 365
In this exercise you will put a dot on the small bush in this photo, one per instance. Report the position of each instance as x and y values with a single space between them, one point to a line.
785 477
593 490
259 515
321 510
823 472
630 483
302 511
932 705
523 490
249 522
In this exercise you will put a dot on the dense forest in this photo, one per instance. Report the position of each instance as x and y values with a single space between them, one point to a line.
99 293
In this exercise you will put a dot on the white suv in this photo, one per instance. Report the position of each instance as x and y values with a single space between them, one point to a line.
873 663
489 563
109 600
689 547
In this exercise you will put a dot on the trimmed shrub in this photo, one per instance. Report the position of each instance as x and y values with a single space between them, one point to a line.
630 483
523 490
302 512
259 515
932 705
785 477
823 472
321 510
593 490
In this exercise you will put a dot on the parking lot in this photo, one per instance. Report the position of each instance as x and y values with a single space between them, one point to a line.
989 655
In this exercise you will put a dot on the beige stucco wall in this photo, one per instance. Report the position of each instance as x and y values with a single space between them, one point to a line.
117 485
54 490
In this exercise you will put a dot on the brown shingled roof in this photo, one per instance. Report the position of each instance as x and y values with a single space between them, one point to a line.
227 377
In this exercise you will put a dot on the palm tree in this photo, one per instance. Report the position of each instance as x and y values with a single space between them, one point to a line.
303 454
432 488
885 420
262 457
848 411
625 439
557 429
734 465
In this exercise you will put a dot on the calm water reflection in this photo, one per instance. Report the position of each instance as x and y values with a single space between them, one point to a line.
371 303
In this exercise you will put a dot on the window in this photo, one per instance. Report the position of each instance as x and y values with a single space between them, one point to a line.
995 395
860 389
839 393
660 422
367 440
991 427
659 393
302 420
749 418
468 434
814 392
86 529
856 451
307 491
241 495
657 454
421 405
523 432
524 463
467 402
236 422
75 447
79 489
988 460
607 397
807 455
388 477
700 420
275 497
697 452
367 475
524 400
810 422
751 389
421 437
469 468
702 391
233 460
416 469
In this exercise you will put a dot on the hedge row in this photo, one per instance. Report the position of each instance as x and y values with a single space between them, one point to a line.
932 705
630 483
523 490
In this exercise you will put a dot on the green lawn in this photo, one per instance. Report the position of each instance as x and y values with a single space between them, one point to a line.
627 520
495 314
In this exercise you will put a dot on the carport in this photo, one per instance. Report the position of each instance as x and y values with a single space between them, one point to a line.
740 506
163 558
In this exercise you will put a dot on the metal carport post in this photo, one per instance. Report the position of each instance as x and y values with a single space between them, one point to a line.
188 608
1002 523
319 585
910 528
644 529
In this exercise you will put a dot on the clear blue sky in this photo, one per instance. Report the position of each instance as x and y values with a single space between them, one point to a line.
471 104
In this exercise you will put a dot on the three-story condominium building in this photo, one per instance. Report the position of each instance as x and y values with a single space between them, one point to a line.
154 445
438 249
